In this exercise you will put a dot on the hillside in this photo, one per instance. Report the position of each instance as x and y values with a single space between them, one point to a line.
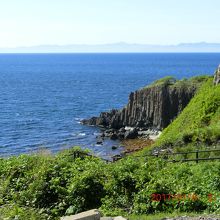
199 122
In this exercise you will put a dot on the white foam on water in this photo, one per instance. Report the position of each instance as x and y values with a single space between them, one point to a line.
82 134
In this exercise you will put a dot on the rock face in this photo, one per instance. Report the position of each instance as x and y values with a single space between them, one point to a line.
216 80
152 107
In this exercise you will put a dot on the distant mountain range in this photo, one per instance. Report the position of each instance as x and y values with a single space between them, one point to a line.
120 47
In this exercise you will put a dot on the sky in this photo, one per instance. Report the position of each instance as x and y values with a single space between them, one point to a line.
61 22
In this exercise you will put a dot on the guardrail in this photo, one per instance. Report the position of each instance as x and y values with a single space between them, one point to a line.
196 159
164 155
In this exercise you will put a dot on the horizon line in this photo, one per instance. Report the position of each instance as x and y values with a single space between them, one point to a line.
119 47
106 44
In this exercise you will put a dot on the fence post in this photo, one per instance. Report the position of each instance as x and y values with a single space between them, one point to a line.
197 156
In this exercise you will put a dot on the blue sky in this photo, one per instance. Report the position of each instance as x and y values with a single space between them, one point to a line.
37 22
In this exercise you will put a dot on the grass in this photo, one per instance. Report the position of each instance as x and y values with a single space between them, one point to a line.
198 123
184 83
168 80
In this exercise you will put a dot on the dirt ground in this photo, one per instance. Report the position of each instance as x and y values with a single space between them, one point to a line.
133 145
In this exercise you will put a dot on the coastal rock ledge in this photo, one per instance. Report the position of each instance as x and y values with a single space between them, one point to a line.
151 108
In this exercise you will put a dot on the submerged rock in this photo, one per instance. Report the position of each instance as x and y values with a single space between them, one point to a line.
114 147
99 142
114 136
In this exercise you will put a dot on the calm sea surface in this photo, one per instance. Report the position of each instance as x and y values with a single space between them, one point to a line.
44 96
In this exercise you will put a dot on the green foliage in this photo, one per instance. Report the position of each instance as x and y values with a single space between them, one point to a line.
49 186
194 82
182 179
200 79
121 186
13 211
67 183
184 83
168 80
199 121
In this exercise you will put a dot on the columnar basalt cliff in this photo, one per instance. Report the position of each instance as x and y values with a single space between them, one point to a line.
153 107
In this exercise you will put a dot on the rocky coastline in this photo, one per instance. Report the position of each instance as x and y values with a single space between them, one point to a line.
148 112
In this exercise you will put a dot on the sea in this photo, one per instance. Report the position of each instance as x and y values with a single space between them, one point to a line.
43 97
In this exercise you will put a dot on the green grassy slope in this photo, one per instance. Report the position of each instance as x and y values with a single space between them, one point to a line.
199 123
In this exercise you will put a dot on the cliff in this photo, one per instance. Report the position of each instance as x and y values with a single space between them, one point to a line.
198 124
152 107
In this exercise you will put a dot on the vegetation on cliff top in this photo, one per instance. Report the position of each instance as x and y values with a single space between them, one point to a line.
173 82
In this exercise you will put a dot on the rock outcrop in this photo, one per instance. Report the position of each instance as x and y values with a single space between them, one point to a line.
216 80
151 107
93 214
149 110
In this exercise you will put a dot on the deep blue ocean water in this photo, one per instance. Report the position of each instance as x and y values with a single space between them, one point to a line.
44 96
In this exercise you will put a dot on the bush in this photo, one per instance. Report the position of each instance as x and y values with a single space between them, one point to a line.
48 186
67 183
